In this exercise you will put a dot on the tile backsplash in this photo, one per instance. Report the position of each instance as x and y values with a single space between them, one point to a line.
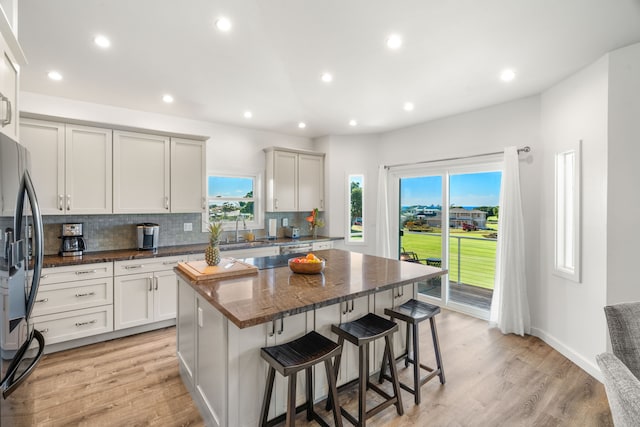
112 232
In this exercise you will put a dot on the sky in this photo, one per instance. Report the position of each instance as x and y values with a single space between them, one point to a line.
222 186
468 190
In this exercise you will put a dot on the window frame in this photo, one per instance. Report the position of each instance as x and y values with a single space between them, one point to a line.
348 239
568 235
257 223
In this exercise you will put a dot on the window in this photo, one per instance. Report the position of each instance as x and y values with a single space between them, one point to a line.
234 198
355 205
567 204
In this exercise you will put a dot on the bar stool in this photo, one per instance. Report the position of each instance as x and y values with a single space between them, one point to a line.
361 332
413 312
289 359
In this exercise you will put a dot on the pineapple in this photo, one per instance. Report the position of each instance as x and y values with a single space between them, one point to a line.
212 253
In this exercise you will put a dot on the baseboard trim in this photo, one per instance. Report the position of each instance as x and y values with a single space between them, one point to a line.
587 365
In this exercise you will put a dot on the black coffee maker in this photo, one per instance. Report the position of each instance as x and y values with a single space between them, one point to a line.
72 242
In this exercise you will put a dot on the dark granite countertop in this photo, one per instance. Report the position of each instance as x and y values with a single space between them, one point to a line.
128 254
278 292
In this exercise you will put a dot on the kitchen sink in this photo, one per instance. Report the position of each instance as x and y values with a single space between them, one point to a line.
243 245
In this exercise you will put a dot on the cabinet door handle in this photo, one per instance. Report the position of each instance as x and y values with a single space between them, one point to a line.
346 307
166 202
204 203
150 284
42 300
8 113
78 324
275 203
68 202
86 294
155 279
86 272
60 202
321 204
273 328
281 327
352 306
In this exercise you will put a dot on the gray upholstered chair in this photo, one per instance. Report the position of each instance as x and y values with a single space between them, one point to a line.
621 370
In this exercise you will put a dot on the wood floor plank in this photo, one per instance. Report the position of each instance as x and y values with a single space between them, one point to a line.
492 380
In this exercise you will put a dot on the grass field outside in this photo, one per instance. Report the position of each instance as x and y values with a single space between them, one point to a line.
473 256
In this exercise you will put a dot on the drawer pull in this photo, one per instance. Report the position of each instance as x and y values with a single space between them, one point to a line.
44 276
86 294
133 267
170 263
78 324
78 273
44 331
42 300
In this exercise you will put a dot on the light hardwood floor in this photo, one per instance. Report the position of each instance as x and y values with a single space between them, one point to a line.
492 380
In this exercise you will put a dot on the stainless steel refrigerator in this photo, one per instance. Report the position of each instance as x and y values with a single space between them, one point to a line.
21 255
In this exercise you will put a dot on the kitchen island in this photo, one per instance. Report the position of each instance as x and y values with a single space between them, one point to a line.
222 324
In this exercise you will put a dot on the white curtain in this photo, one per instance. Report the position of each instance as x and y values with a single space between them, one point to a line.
383 245
510 306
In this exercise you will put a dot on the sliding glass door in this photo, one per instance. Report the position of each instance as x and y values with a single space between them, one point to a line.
448 217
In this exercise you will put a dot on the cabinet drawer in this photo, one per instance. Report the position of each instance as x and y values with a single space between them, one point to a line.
148 265
62 297
318 246
76 272
75 324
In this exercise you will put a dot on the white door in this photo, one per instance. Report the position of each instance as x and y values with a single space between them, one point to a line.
88 172
285 181
310 182
188 170
140 173
133 300
164 298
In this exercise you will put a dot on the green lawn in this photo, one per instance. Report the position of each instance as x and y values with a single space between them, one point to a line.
477 257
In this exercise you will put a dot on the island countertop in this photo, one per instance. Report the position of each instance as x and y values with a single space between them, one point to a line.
278 292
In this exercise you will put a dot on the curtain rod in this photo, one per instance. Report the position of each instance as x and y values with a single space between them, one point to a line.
524 149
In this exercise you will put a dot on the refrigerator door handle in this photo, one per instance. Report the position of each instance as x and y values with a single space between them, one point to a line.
10 383
26 187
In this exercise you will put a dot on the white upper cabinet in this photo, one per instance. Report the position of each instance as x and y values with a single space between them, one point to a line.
12 55
70 165
188 171
310 182
295 180
141 177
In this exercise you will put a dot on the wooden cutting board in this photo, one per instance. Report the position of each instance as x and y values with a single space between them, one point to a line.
228 267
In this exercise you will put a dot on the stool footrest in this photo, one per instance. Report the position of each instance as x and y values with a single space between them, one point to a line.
282 417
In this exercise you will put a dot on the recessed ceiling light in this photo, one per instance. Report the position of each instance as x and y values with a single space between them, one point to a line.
394 41
507 75
302 125
102 41
352 122
327 77
408 106
167 98
248 114
223 24
54 75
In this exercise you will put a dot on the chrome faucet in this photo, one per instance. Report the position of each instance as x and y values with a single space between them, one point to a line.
244 225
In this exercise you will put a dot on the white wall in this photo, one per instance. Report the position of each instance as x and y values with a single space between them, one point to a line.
345 155
569 315
229 148
623 186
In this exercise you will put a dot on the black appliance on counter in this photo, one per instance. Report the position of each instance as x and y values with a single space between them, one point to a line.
19 278
73 243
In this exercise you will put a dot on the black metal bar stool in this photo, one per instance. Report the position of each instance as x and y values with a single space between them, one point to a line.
361 332
413 312
289 359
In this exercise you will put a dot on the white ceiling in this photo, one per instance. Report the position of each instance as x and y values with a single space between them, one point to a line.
271 60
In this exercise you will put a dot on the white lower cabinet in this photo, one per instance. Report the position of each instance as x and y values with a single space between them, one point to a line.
222 363
335 314
391 299
146 296
74 302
